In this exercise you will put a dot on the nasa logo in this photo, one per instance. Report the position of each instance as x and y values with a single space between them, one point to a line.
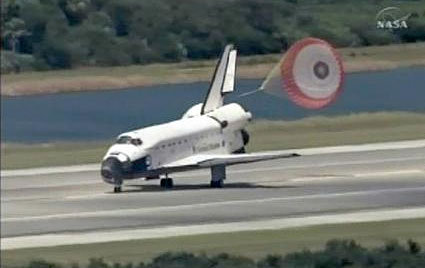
391 18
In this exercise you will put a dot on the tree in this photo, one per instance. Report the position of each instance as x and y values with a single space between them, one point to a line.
13 30
75 10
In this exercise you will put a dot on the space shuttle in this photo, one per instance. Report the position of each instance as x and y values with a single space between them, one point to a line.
210 135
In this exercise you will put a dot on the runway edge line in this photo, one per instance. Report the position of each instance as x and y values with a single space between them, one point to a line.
62 239
306 151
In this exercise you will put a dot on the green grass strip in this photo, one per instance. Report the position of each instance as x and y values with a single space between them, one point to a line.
255 244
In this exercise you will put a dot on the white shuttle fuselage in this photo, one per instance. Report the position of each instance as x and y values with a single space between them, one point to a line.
209 135
148 151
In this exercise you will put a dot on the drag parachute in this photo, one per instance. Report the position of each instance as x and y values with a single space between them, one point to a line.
310 74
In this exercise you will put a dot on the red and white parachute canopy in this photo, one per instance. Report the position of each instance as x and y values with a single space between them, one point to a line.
310 74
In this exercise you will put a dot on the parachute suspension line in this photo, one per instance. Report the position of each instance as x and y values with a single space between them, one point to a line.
250 92
262 87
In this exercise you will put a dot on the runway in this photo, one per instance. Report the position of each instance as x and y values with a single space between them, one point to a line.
78 203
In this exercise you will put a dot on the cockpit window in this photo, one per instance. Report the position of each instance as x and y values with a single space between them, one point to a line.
136 141
124 140
129 140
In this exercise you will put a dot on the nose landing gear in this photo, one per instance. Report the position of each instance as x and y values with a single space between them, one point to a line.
118 185
112 172
117 189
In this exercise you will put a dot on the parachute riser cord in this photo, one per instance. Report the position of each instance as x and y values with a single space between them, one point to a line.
250 92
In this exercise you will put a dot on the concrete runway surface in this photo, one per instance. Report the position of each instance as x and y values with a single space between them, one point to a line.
53 208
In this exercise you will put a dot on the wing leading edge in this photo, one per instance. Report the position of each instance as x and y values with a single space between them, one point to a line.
204 161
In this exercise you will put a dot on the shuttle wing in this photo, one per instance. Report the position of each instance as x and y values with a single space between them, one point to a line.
223 80
202 161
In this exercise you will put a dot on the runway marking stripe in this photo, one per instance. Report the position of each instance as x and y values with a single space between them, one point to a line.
57 185
60 239
318 178
284 182
307 151
129 212
331 164
390 173
49 170
359 175
242 171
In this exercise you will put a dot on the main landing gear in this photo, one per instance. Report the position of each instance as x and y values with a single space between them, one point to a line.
217 184
218 175
166 182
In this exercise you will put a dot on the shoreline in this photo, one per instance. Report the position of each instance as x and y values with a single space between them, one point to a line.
373 58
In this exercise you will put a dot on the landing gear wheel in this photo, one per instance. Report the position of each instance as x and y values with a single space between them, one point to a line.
217 184
167 183
117 189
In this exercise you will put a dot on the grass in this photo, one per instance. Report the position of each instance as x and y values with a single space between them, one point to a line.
82 79
383 57
329 131
253 244
15 156
265 135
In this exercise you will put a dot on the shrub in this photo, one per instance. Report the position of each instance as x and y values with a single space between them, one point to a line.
14 62
336 253
67 33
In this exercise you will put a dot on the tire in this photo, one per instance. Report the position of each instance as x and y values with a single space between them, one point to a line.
217 184
167 183
117 189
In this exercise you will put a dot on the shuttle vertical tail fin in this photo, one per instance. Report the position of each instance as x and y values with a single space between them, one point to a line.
223 80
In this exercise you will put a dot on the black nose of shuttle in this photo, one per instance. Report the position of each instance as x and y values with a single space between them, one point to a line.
111 169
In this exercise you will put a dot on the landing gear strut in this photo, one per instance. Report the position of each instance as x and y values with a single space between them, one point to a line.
218 175
118 185
166 182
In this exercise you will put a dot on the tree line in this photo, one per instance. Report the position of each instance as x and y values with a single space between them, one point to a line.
49 34
336 254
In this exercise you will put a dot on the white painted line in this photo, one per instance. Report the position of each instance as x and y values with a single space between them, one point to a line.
365 147
329 164
307 151
61 239
52 185
296 180
50 170
47 197
163 209
242 171
360 175
390 173
317 178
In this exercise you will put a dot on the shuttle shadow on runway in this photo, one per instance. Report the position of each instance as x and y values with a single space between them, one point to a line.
131 188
